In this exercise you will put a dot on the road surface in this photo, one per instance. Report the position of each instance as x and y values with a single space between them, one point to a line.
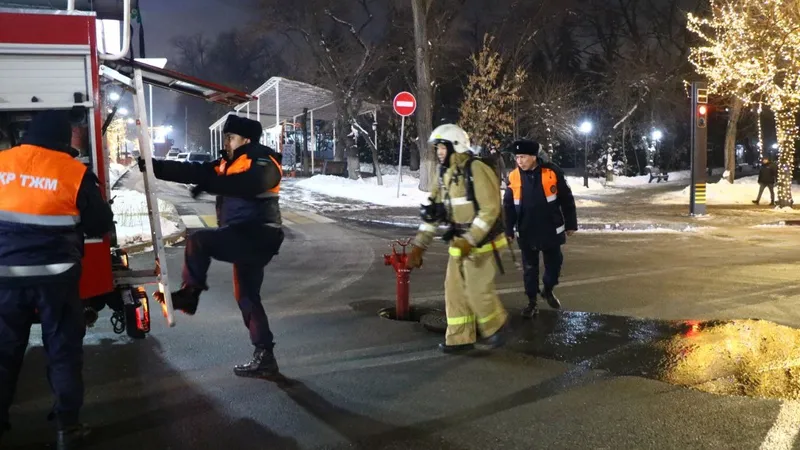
571 380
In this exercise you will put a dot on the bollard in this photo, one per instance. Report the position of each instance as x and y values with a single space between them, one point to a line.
399 261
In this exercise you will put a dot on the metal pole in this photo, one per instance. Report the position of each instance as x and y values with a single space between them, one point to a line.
313 142
400 162
375 116
699 139
186 128
586 163
152 120
258 113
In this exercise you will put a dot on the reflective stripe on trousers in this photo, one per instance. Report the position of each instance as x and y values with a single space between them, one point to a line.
34 271
35 219
499 243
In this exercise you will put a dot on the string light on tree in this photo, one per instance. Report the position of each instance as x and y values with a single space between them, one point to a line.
751 49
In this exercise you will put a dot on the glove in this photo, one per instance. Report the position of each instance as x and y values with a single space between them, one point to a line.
463 245
142 165
415 257
197 190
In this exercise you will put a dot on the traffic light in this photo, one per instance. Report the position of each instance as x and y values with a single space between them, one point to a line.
702 116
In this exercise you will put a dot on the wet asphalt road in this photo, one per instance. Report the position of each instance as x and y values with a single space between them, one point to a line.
570 380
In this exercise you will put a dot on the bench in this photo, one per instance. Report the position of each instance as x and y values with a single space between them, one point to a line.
656 173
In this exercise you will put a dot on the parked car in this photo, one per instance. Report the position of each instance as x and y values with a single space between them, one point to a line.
199 157
173 154
181 157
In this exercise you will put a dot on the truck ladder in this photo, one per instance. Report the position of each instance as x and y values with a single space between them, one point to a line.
136 85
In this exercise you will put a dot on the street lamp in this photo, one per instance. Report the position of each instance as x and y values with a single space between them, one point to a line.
113 96
657 135
123 111
586 128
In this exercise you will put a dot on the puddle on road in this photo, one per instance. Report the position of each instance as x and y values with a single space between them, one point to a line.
742 357
753 358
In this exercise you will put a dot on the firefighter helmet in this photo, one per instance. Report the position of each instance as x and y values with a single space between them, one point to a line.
452 134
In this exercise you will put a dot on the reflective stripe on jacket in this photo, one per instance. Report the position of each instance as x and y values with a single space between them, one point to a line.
38 212
262 209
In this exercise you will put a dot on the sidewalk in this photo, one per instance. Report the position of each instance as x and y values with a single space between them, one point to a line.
614 209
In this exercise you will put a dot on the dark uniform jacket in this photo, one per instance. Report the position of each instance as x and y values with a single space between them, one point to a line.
48 202
247 185
539 204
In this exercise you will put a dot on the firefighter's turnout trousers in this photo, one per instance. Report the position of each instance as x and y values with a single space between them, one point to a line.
470 298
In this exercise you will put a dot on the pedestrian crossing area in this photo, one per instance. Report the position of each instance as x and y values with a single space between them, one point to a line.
290 218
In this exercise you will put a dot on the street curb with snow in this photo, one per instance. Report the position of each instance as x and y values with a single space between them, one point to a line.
168 240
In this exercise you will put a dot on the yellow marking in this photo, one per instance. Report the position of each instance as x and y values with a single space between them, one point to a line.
210 221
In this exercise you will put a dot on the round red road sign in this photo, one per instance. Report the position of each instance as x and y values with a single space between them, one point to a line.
404 104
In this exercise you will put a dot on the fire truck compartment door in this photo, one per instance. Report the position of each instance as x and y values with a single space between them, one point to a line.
43 81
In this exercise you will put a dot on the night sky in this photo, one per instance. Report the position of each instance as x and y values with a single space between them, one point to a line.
165 19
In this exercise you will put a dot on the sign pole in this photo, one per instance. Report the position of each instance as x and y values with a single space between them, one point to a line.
699 141
400 162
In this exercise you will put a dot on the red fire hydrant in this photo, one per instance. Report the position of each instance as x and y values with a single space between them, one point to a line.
400 263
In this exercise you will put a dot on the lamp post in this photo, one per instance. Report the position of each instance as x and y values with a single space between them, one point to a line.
586 128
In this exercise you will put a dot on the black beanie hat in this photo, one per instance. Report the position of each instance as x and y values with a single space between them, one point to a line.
526 147
50 129
246 128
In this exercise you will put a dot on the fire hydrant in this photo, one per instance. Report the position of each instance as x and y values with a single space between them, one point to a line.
399 261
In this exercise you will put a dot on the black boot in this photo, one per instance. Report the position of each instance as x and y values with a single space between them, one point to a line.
531 310
71 437
551 298
449 349
498 339
184 299
263 365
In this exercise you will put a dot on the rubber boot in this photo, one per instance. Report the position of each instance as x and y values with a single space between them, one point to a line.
452 349
69 438
263 365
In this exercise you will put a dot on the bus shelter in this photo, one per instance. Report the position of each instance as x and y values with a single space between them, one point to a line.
278 104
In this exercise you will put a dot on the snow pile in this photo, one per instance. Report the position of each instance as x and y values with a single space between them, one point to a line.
115 172
367 190
576 184
133 224
742 192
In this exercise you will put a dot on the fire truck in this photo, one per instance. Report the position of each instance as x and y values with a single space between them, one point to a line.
49 59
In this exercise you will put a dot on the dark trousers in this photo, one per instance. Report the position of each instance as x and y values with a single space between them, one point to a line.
761 191
249 249
553 259
63 327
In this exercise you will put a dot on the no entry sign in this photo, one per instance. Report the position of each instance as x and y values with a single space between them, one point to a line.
404 104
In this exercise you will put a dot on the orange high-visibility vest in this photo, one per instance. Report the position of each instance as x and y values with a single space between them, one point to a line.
549 185
39 187
242 164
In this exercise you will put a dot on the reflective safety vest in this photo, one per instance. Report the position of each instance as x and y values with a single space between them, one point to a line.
242 164
38 211
263 209
549 187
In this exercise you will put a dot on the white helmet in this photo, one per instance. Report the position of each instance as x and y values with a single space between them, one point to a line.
453 134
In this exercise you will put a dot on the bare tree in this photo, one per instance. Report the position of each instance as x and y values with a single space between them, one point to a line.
334 36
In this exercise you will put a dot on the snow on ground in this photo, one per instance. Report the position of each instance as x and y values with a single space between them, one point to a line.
367 190
742 192
115 172
130 213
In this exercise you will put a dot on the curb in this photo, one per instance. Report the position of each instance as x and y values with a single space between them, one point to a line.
617 226
168 240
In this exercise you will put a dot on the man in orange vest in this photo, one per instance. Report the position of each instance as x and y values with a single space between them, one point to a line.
540 208
247 184
48 202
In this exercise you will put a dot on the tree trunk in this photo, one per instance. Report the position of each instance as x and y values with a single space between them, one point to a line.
413 154
730 139
342 130
784 123
424 94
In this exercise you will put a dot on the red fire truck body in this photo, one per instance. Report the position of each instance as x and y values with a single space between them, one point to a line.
49 59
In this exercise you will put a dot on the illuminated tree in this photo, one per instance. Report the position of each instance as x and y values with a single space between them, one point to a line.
487 111
115 138
750 49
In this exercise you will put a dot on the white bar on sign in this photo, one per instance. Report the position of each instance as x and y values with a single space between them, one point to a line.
409 104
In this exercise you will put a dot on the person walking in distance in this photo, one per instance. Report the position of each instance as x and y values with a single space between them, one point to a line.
767 176
540 212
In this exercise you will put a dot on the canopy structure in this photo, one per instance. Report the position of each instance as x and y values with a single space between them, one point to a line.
281 100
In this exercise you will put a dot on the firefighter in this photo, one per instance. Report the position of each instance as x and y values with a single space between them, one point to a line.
247 184
540 207
467 200
48 202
